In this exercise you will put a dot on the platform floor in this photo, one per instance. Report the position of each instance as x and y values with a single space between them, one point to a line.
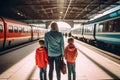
86 69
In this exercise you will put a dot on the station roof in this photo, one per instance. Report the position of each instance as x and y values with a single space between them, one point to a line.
55 9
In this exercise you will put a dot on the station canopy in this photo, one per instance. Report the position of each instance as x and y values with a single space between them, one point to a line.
43 10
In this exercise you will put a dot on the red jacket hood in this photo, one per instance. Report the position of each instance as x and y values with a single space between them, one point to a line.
41 57
71 48
70 53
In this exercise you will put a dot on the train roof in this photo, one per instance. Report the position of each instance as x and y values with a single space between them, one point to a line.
105 17
15 21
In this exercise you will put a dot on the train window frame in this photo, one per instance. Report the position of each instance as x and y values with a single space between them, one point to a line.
15 29
105 27
10 28
1 28
117 25
111 26
20 29
100 27
28 30
25 30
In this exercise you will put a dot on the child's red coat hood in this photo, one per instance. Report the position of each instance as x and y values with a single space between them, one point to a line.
70 53
41 57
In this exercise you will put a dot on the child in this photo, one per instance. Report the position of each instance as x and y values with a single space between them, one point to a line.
70 56
42 60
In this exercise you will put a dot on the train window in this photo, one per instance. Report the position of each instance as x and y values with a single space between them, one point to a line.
107 27
25 30
110 26
28 30
16 29
10 28
90 28
117 25
100 28
1 28
104 26
20 29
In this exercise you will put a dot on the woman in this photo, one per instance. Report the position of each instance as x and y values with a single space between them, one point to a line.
54 43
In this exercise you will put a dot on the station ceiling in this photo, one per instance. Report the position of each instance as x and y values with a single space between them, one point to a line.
42 10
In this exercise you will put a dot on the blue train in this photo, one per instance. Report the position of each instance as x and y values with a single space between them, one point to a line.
103 31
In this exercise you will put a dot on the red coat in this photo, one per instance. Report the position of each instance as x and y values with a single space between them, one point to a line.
41 57
70 53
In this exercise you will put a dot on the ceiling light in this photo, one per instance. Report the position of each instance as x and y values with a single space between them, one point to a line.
61 12
18 13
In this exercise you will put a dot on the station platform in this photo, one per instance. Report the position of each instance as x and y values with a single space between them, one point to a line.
89 65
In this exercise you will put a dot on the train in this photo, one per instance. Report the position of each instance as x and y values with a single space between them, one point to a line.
13 32
103 31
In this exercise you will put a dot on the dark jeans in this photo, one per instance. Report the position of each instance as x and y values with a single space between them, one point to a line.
43 74
71 69
57 61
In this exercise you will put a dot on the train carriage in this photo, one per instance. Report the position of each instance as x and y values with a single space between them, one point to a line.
13 33
103 31
16 32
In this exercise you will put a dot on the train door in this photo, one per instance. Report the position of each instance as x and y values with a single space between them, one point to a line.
31 33
37 32
94 31
1 34
9 35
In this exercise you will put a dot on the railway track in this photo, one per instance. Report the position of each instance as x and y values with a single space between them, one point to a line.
16 47
106 54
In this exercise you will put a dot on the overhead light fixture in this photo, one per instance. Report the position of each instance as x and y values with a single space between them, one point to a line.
18 13
61 12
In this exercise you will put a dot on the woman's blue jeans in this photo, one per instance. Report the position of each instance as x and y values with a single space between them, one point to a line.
71 70
57 61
